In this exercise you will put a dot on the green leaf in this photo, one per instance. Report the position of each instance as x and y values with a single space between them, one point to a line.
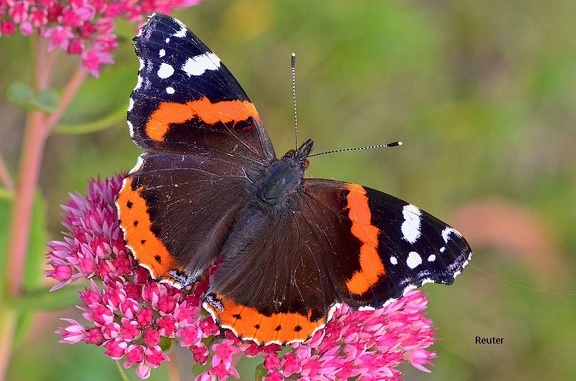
47 100
100 102
260 372
20 93
23 95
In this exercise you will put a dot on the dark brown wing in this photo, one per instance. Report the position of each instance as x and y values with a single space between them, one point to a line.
176 210
340 242
272 284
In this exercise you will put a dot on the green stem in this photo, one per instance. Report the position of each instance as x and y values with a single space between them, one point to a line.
8 320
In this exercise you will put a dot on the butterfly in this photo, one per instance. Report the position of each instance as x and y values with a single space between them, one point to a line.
209 187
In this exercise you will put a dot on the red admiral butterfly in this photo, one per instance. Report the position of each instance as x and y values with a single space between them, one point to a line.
209 186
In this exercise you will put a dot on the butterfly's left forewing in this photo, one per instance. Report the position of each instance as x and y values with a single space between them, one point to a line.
187 100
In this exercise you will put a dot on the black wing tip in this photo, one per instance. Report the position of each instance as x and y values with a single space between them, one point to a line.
157 20
158 16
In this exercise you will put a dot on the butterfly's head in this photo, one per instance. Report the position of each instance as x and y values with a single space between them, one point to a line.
299 157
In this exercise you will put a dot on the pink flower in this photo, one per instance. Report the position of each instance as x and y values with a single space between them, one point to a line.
38 17
92 59
7 28
76 26
19 12
134 317
94 239
73 333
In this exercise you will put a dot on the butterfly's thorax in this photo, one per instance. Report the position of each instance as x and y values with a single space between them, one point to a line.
279 182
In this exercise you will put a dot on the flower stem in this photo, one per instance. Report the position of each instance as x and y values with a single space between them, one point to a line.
38 128
173 373
34 139
70 90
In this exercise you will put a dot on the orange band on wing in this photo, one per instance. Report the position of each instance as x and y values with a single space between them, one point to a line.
371 266
224 112
248 323
135 221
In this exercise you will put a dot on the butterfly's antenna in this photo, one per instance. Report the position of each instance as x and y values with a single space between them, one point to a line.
393 144
293 66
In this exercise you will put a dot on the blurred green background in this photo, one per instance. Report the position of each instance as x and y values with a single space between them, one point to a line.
483 95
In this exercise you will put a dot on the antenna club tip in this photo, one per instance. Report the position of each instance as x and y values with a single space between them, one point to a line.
293 54
400 143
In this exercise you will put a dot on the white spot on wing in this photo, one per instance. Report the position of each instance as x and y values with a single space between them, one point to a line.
199 64
130 104
447 231
139 82
413 260
131 128
165 70
431 258
138 165
411 225
170 90
180 33
394 260
161 53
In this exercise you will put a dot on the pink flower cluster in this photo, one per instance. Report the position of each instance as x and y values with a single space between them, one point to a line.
136 319
363 345
81 27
